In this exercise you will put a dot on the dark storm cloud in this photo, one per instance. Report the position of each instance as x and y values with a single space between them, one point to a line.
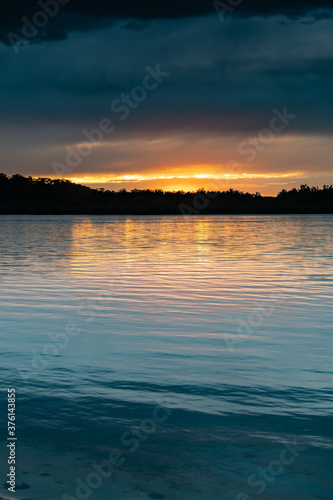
150 9
222 80
86 15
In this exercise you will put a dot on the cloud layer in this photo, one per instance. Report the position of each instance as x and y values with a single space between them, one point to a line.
225 79
83 15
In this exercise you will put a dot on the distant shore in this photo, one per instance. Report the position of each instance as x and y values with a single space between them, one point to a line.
26 195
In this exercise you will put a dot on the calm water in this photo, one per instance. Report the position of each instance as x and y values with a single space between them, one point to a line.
196 348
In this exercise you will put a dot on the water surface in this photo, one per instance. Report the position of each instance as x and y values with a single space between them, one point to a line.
221 325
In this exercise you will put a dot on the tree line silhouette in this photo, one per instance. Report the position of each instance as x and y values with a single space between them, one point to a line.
27 195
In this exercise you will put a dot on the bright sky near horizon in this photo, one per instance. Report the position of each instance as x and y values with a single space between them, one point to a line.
174 96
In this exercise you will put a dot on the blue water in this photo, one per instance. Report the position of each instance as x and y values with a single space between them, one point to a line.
197 350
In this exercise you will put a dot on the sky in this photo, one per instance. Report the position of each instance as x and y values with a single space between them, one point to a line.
172 95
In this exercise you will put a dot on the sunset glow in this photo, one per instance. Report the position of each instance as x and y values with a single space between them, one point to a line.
178 182
209 103
166 212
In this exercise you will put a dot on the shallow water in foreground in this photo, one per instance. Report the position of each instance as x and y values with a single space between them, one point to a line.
197 349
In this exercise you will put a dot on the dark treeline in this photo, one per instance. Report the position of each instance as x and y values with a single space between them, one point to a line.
26 195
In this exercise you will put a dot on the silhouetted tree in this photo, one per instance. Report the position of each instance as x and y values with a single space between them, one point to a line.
19 194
